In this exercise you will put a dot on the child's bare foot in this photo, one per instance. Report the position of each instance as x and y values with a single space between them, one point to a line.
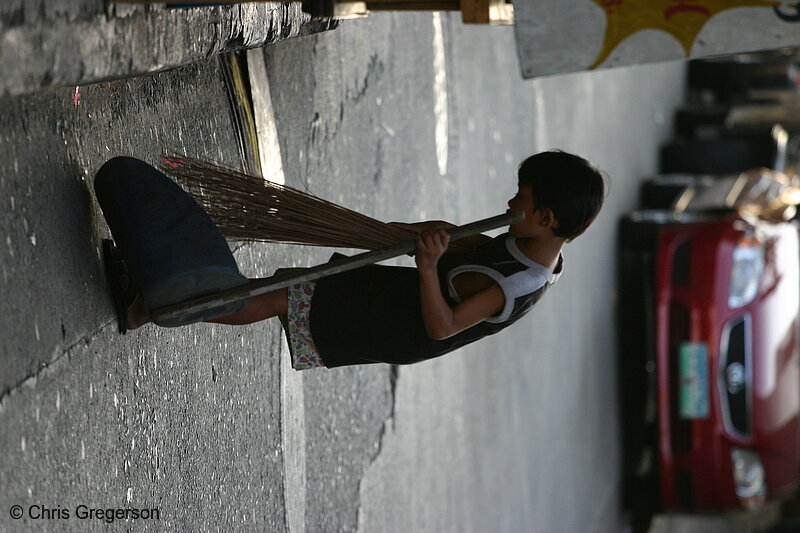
137 314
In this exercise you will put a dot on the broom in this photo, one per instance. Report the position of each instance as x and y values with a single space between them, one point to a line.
249 208
285 279
239 202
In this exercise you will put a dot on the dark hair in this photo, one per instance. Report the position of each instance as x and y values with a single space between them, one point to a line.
568 185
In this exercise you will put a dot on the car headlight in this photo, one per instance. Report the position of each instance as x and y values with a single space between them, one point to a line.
748 265
749 477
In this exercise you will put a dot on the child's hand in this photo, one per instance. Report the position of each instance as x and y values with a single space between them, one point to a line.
430 247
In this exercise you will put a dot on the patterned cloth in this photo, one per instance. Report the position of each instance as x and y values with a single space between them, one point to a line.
298 331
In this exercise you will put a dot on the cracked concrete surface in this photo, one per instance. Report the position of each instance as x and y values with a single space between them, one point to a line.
187 420
151 426
64 42
59 352
52 226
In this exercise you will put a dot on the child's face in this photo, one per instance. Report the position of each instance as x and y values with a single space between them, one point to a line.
523 201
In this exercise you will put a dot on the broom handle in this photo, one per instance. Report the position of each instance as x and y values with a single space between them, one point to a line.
286 279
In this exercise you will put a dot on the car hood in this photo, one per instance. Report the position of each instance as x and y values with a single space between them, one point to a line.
776 360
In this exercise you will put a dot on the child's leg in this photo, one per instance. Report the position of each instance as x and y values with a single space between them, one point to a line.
259 308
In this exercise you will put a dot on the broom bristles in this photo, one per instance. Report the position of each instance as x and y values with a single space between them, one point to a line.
249 208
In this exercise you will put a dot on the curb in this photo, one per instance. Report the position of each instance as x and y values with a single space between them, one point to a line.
77 42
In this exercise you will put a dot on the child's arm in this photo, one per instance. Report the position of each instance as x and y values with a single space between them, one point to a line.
442 321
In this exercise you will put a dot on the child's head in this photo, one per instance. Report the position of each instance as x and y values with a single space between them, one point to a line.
567 185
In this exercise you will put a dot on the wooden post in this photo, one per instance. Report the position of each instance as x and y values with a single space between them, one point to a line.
495 12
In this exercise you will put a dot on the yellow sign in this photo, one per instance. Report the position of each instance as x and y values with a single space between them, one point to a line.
683 19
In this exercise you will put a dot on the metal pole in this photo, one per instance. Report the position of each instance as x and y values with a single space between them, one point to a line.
280 281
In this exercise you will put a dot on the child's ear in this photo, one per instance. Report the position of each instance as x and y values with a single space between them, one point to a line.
548 219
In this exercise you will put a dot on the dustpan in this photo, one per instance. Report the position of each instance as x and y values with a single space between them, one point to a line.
171 247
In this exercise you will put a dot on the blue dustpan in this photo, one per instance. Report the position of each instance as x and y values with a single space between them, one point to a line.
170 245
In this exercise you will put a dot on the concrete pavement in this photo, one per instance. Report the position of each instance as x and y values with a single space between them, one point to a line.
161 419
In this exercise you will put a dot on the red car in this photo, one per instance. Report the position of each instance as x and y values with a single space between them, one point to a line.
709 353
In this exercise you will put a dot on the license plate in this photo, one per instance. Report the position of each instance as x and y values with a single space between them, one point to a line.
693 380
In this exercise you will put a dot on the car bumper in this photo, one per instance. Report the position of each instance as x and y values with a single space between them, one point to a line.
694 449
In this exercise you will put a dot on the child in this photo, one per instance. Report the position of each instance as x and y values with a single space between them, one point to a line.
403 315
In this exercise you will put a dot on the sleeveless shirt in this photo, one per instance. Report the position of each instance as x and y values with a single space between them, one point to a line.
373 314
